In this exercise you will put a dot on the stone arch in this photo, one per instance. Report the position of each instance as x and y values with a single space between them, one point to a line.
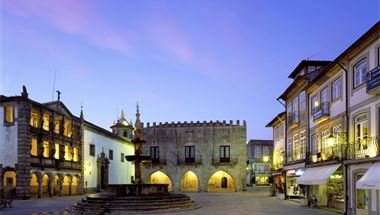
189 182
159 177
8 177
66 185
35 179
221 181
75 184
57 184
45 183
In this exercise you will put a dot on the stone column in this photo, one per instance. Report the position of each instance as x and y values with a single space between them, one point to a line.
70 184
51 187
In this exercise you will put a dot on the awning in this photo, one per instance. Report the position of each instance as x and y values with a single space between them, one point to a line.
371 179
317 175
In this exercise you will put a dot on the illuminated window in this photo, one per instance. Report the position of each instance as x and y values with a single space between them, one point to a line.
56 153
296 148
67 128
324 137
314 144
76 154
361 128
46 149
33 148
45 121
68 153
57 125
35 118
8 114
92 150
289 149
360 72
303 144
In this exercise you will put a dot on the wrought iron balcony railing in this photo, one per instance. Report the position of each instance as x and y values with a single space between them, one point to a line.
321 112
293 119
365 148
373 81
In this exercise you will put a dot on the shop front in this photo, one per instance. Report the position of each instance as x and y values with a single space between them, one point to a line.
292 172
279 184
326 183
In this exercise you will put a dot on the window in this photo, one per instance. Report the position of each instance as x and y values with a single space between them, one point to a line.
33 148
378 56
302 100
257 153
155 154
336 89
289 150
224 153
45 121
46 149
67 128
315 103
360 72
56 151
324 137
302 144
265 151
122 157
76 154
337 130
68 153
8 114
34 118
189 154
361 129
289 109
57 125
92 150
314 144
325 95
125 134
295 109
296 148
110 154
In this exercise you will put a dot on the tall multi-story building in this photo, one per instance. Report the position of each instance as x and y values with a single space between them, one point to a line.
259 159
278 125
196 156
342 162
296 132
48 151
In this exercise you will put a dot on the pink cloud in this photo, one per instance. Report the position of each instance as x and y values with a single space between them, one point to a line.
77 18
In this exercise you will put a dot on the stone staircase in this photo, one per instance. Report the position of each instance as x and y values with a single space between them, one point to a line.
102 204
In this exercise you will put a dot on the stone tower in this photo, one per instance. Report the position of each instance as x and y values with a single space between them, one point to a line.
122 127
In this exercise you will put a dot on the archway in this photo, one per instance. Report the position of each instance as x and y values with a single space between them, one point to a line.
9 179
45 185
34 185
75 185
221 182
66 185
189 182
161 178
57 185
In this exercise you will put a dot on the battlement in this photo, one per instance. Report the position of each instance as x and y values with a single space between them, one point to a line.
194 124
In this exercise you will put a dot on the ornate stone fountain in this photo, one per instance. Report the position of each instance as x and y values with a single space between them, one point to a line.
137 197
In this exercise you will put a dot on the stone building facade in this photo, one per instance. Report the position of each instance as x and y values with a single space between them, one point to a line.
259 159
47 151
196 156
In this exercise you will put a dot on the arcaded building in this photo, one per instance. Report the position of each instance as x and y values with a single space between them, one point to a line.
196 156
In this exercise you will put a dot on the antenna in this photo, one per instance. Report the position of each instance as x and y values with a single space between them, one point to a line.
313 55
52 96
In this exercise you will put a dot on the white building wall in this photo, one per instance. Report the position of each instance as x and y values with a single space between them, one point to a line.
119 172
8 140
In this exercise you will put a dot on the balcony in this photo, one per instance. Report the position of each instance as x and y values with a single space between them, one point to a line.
336 152
373 81
225 161
293 120
189 161
366 148
321 112
155 162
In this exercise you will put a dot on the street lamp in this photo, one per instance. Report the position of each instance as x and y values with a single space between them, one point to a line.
265 158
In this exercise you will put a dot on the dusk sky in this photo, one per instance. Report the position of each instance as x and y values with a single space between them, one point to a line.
182 60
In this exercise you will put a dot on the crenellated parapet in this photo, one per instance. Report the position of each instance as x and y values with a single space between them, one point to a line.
216 123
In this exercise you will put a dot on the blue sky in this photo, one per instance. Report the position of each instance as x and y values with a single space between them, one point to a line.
182 60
